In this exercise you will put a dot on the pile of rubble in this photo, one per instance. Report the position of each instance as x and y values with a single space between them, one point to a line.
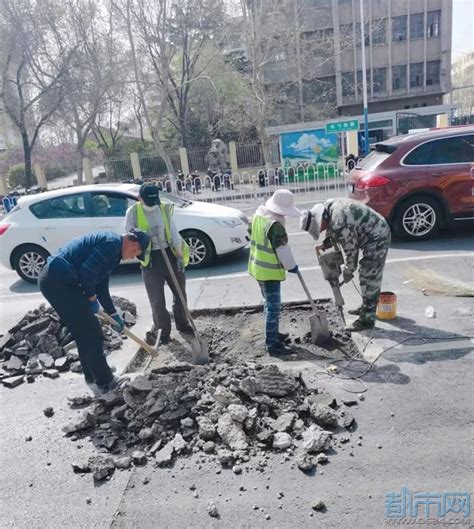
39 344
228 412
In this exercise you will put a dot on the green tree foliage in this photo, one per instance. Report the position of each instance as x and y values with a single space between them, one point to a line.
219 104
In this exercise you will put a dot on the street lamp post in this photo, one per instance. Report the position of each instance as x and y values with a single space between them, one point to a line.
364 80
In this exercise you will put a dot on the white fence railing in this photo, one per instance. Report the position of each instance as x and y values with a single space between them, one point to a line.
318 182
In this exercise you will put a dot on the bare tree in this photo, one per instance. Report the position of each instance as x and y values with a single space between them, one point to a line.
108 128
263 44
291 67
34 63
146 27
192 25
95 68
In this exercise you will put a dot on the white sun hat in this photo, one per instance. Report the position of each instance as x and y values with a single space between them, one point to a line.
282 202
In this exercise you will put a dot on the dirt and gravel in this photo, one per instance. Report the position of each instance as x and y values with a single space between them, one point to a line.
237 409
230 413
41 345
237 334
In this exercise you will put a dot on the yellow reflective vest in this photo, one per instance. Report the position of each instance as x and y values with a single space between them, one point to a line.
166 213
263 262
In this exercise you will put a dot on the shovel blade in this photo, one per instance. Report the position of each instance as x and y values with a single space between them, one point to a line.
199 351
319 328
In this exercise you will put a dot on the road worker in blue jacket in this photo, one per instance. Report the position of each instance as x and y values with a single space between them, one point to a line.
75 281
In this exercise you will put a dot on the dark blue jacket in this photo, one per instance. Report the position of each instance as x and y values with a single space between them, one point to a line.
89 260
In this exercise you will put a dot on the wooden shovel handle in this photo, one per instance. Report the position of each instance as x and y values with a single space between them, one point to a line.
308 293
178 289
130 334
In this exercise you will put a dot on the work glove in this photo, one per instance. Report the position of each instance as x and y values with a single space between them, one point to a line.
347 275
119 323
180 264
294 270
94 306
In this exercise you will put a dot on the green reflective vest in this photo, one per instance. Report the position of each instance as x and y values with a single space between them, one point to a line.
263 262
166 212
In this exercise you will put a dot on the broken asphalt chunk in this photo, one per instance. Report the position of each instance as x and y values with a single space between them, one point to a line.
13 382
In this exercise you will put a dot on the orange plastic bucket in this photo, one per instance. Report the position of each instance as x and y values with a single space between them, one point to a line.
387 306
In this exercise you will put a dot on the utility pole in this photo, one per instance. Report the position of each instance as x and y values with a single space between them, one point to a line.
364 80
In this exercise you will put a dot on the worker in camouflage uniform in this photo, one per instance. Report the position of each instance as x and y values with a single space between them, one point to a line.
355 227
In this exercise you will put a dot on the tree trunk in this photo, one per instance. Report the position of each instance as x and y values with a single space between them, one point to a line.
183 131
164 156
263 136
183 126
79 166
267 156
27 158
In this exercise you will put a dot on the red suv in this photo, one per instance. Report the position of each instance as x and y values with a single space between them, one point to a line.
419 182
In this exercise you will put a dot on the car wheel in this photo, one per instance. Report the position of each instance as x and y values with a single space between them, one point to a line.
28 261
201 249
418 218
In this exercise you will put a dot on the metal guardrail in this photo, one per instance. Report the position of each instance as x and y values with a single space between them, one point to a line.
313 182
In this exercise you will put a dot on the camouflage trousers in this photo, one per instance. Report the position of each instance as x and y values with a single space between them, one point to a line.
370 275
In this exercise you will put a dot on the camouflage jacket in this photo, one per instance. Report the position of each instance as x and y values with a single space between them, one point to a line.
355 226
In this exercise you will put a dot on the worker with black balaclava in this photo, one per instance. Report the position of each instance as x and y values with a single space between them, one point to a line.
155 218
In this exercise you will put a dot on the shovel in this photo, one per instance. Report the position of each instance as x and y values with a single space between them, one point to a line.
318 320
199 345
148 348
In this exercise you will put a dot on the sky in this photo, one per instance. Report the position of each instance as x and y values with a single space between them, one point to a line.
463 27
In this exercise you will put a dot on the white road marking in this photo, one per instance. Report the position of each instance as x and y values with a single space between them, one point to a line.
448 345
245 274
308 268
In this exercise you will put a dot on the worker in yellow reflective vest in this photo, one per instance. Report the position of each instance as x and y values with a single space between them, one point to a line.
156 220
270 258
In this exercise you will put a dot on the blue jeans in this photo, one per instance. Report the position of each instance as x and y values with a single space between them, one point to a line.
271 292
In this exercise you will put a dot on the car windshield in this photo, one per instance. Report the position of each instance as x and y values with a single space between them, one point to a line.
180 202
372 160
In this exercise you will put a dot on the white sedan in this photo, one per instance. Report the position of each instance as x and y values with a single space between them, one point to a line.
40 224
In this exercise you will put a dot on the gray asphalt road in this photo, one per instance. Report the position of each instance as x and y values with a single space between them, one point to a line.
426 443
16 296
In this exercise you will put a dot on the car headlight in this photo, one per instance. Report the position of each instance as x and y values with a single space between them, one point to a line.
228 222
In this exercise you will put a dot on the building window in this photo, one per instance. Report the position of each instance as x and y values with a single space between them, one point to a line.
346 36
416 75
366 34
348 86
433 22
399 77
315 47
360 85
417 26
279 56
432 72
319 90
318 3
379 31
379 80
399 28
